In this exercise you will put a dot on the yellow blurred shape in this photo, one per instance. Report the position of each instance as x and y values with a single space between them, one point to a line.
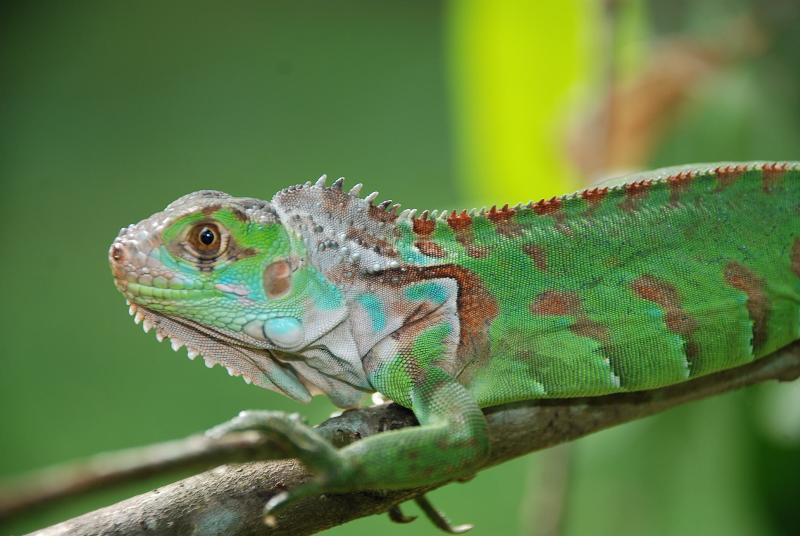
516 67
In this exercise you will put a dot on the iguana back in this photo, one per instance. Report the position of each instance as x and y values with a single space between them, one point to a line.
671 275
652 281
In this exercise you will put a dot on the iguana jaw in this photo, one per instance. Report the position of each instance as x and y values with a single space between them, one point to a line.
149 320
239 356
255 365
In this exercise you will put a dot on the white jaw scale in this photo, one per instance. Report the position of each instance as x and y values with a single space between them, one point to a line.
176 344
137 315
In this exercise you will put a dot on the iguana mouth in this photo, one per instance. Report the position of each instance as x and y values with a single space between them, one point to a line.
138 290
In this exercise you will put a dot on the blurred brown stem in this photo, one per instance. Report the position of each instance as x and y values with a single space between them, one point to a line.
229 499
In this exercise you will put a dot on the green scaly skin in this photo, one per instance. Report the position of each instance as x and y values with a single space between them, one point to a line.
661 278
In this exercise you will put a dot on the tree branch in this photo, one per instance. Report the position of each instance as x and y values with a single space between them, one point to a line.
229 498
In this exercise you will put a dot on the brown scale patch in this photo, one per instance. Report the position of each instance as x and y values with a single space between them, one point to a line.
503 221
335 201
795 256
666 296
560 303
772 175
742 278
476 306
430 248
635 193
461 224
586 327
678 185
210 210
552 207
429 470
383 215
546 206
367 240
593 198
537 254
235 252
478 252
423 227
239 215
562 227
555 302
728 175
277 279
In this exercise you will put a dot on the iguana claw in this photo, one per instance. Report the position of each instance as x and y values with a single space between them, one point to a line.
397 515
434 515
283 499
438 518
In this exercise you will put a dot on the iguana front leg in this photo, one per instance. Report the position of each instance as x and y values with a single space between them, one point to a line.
451 440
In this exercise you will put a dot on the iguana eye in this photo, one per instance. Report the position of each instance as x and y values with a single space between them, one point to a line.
206 239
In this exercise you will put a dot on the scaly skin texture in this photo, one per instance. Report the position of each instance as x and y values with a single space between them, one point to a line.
660 278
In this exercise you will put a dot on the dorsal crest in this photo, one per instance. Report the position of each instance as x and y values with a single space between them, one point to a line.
339 227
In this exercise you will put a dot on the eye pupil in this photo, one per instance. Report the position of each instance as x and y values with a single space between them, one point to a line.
206 240
207 236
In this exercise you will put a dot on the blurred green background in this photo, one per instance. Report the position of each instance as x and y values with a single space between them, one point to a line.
110 110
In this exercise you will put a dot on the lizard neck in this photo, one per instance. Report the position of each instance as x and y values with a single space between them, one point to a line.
386 281
328 361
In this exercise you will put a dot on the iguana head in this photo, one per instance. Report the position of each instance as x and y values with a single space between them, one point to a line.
226 278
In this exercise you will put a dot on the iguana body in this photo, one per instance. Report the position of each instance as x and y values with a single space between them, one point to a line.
668 276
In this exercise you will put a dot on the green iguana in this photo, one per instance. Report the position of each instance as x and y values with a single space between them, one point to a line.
667 276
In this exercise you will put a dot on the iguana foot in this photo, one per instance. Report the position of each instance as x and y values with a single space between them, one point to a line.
292 438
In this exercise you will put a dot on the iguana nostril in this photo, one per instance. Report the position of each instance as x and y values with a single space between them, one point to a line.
116 253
